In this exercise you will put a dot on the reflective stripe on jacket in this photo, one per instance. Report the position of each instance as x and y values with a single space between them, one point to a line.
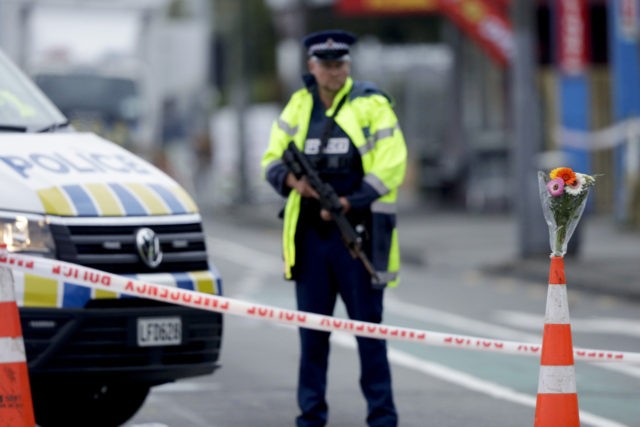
368 118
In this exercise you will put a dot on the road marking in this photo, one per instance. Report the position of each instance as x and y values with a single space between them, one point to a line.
250 284
186 387
468 381
399 358
267 263
245 256
484 329
602 325
189 417
430 315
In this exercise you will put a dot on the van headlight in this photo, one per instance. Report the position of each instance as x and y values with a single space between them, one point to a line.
27 234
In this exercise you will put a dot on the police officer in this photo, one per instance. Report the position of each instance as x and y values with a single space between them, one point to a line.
350 133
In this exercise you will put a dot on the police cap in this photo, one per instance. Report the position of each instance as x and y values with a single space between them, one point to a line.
329 44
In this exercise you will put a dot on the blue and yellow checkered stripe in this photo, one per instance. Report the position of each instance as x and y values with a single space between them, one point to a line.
38 291
116 199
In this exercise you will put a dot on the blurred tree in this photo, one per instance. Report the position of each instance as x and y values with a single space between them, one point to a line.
258 36
260 32
177 9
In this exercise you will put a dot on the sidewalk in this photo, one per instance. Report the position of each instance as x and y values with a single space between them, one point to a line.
608 261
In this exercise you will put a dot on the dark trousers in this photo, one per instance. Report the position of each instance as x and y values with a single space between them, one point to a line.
324 270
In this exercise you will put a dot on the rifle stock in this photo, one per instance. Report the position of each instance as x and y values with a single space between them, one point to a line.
298 164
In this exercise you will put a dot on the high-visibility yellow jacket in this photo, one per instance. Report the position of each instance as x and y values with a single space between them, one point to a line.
368 119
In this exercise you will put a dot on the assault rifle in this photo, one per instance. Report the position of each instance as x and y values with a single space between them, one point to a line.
298 164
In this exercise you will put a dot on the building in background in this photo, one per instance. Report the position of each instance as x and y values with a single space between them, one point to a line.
446 63
588 83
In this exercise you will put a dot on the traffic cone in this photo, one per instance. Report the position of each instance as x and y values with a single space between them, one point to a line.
16 405
557 403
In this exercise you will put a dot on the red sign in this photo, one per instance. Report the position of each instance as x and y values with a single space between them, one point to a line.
485 24
572 36
386 7
485 21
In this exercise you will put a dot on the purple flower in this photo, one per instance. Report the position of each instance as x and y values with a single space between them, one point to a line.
556 187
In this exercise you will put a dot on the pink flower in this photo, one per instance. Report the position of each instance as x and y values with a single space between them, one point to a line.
556 187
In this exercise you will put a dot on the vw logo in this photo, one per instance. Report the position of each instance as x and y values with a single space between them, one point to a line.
148 245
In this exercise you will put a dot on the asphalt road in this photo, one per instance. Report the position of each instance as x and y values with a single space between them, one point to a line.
444 288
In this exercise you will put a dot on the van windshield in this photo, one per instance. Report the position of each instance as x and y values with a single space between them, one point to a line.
77 92
22 105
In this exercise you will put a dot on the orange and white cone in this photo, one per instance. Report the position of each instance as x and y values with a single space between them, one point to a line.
16 405
557 403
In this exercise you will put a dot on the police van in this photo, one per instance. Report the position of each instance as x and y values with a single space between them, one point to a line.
93 355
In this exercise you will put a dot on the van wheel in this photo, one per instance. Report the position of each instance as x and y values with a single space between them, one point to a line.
99 405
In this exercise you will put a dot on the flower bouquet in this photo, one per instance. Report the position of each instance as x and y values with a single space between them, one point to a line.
563 193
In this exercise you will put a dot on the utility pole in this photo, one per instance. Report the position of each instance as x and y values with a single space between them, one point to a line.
533 232
240 96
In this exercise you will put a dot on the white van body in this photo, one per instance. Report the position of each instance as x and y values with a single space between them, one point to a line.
92 355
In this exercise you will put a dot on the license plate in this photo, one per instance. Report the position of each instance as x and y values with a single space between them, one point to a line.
157 331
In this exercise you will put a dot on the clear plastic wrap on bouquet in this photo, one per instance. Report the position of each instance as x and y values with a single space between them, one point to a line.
563 194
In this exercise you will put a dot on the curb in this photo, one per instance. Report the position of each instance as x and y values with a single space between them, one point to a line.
617 277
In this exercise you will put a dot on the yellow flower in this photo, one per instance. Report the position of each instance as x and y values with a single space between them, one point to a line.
567 175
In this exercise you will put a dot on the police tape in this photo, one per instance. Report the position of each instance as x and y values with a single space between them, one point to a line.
96 279
622 132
